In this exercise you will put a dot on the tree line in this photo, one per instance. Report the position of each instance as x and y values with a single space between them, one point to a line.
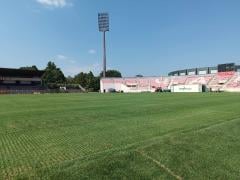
53 77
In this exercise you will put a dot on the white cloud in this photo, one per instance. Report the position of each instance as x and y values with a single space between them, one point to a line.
72 61
65 59
60 56
74 70
70 67
54 3
92 51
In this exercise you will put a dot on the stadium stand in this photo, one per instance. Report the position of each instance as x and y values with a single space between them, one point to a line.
220 79
234 83
144 84
20 81
160 83
178 80
198 79
224 77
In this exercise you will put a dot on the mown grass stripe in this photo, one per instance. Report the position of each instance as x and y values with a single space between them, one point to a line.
158 163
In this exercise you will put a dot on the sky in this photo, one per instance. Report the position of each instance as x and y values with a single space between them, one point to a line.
148 37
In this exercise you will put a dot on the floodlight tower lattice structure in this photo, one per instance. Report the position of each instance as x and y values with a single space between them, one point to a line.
103 23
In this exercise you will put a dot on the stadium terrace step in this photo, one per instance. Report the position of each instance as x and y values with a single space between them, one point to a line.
233 84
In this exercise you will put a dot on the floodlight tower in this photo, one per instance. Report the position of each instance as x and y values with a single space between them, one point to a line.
103 23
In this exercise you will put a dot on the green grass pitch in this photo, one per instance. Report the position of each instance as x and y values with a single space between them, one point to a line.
120 136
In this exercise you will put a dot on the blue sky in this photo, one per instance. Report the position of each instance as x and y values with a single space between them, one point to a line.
149 37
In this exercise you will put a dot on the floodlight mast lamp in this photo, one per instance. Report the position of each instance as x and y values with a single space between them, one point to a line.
103 23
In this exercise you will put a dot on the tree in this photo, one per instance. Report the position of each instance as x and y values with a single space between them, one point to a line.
81 79
53 74
96 86
139 75
32 68
112 73
88 81
70 80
